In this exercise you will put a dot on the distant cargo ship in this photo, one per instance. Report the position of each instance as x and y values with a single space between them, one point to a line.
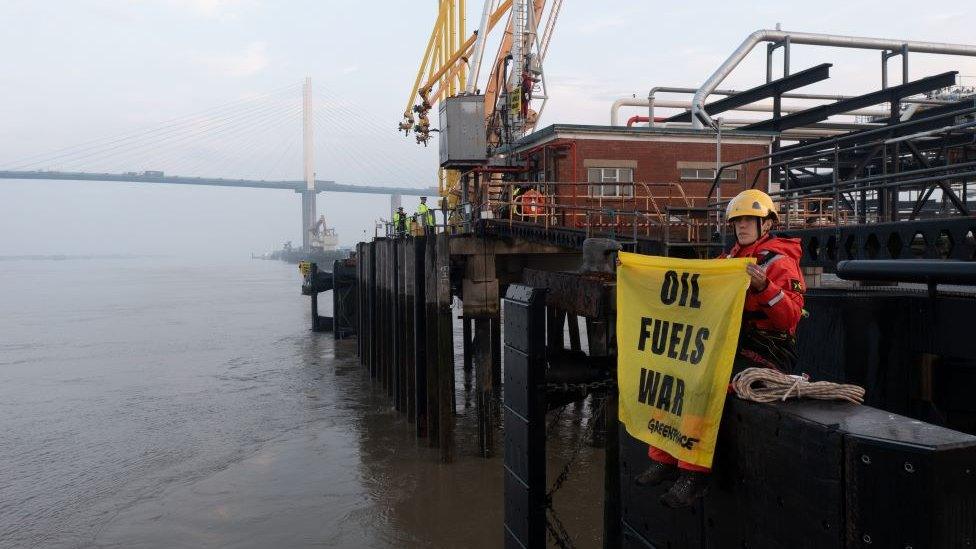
323 248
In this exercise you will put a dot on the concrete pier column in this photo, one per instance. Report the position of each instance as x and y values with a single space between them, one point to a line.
480 288
308 162
308 218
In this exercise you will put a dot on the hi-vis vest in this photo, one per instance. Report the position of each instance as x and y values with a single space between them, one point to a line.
426 215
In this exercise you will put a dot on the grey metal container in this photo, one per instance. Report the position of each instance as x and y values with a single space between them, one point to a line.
462 131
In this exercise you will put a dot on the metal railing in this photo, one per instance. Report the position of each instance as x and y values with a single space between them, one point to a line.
636 209
824 156
414 226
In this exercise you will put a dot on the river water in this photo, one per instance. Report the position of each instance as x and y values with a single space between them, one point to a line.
166 402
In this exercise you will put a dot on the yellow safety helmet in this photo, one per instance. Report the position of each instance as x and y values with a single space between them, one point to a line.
751 202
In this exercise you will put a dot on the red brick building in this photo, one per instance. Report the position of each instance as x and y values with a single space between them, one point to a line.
587 170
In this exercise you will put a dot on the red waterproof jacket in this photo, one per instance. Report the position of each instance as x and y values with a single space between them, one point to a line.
780 305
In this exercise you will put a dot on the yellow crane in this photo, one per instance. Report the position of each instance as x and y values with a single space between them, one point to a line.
444 67
514 91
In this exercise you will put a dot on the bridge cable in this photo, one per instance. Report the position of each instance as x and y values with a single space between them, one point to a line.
175 122
173 138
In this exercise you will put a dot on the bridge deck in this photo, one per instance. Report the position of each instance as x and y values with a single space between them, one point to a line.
294 185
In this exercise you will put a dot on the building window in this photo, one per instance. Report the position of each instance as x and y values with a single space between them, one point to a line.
707 174
610 177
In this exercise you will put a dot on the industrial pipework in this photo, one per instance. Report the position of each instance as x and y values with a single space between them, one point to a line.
753 107
777 38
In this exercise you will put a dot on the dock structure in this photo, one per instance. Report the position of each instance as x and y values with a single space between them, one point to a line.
406 294
528 288
786 460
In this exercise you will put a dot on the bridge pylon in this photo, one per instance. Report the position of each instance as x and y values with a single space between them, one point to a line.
308 138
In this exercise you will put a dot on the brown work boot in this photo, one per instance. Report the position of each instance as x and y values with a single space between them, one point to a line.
685 491
656 474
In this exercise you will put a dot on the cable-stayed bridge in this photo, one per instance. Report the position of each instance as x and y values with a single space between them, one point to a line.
296 185
262 141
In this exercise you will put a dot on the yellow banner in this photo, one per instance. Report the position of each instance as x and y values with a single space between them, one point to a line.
678 326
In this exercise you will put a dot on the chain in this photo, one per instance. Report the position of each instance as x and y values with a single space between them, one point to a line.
555 418
583 388
555 526
564 474
557 530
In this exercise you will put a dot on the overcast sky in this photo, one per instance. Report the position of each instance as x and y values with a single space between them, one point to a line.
72 72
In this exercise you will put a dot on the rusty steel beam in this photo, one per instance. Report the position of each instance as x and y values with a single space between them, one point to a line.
575 293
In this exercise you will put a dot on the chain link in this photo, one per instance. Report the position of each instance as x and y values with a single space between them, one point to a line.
555 526
564 474
584 388
558 530
555 418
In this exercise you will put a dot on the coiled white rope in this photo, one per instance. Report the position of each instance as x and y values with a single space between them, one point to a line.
768 385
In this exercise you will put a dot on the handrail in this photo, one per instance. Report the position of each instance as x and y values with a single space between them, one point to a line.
644 215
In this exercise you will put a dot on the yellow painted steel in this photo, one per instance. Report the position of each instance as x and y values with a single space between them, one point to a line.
463 75
424 63
443 72
452 66
443 68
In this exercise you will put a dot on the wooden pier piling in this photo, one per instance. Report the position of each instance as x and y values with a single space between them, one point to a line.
430 322
419 335
483 383
407 286
445 349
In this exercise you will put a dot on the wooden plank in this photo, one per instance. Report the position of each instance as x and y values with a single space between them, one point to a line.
483 382
388 346
381 342
445 350
433 381
420 334
372 311
397 333
409 391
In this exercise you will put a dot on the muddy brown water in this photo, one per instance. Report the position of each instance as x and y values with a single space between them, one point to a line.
161 402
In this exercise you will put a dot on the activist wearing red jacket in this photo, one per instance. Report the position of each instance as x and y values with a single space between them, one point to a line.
772 310
779 306
774 302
